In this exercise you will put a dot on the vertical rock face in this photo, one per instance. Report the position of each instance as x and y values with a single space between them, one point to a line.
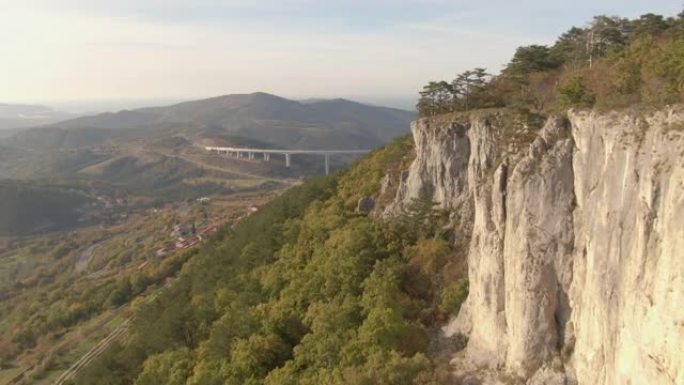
538 246
628 287
439 171
576 252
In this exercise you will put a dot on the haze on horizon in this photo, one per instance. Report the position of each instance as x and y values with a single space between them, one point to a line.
56 51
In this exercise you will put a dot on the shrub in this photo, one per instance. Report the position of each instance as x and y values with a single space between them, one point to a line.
453 297
573 93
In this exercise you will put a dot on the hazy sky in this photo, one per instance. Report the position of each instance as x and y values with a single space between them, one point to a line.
56 50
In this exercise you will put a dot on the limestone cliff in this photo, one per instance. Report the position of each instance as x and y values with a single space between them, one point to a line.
575 234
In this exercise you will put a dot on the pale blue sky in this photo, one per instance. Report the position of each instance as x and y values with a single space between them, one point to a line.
56 50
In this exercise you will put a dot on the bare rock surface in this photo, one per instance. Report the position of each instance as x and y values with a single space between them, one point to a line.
576 244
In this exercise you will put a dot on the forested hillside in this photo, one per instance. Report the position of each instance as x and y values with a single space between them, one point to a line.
313 289
611 62
307 291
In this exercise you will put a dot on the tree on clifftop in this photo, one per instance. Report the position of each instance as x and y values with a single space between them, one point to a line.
469 84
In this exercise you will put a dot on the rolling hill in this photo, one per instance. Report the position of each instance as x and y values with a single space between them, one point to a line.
156 153
258 117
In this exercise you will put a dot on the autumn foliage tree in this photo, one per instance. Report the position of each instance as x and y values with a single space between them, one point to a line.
610 62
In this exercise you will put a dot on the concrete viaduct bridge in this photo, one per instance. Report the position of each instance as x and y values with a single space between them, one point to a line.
250 153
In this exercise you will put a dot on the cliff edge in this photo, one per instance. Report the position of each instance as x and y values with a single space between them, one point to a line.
575 238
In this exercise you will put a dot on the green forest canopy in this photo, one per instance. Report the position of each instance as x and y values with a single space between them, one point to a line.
610 62
306 291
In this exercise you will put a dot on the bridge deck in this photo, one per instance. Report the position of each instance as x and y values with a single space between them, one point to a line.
285 151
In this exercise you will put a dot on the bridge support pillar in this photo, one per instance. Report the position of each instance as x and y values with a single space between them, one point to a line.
267 157
327 164
250 155
287 160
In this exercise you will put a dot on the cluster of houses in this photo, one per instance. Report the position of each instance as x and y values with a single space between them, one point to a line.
111 202
187 236
105 210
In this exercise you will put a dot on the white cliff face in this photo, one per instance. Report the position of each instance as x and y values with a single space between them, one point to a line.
627 292
576 252
438 173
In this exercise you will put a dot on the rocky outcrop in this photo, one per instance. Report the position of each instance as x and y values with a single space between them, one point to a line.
576 243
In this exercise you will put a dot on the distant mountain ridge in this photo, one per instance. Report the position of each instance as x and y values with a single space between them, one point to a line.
16 116
259 117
